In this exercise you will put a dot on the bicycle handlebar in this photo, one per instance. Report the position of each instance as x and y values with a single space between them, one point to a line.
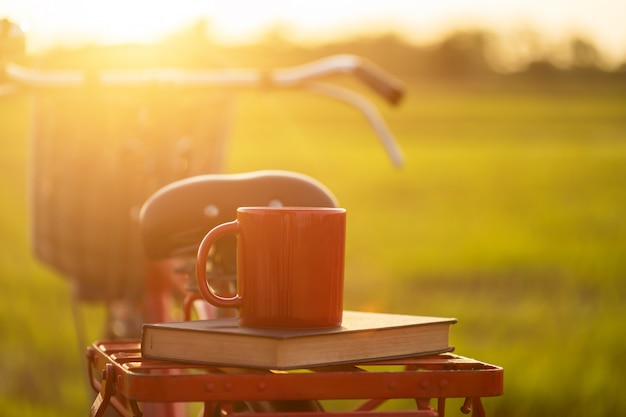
371 75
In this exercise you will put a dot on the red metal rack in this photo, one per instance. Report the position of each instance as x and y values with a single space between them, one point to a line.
126 381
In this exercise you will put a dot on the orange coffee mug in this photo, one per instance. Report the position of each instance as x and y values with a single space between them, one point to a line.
290 266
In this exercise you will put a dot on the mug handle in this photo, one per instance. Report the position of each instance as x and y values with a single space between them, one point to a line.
203 251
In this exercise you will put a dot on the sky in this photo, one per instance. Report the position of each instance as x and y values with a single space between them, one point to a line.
112 21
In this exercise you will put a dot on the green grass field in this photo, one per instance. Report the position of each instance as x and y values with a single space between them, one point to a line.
509 216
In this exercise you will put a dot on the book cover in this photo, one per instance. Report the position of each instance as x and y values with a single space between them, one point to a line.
363 336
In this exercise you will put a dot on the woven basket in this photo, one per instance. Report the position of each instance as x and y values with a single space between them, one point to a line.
96 156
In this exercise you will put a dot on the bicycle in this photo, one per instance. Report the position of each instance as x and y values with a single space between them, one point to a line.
177 166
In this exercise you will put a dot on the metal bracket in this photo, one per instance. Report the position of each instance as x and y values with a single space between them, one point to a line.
106 392
473 405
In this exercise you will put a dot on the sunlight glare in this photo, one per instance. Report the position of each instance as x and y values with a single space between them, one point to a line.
233 21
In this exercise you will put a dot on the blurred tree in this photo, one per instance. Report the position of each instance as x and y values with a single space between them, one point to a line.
460 54
584 55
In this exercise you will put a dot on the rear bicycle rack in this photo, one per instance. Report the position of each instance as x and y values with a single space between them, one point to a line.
129 380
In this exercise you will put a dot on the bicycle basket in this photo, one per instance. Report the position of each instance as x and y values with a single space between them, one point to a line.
96 156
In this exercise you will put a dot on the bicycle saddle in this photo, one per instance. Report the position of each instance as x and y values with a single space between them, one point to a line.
175 218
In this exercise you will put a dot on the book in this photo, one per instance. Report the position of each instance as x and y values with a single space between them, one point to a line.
362 337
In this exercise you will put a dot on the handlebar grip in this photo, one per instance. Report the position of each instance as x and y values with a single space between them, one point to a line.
386 85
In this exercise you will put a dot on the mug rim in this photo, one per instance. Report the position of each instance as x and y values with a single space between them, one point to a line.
299 209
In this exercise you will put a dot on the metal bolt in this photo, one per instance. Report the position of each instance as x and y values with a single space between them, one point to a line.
443 383
392 385
228 387
425 383
261 386
209 387
466 408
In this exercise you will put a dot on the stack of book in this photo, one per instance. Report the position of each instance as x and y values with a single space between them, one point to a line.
362 337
